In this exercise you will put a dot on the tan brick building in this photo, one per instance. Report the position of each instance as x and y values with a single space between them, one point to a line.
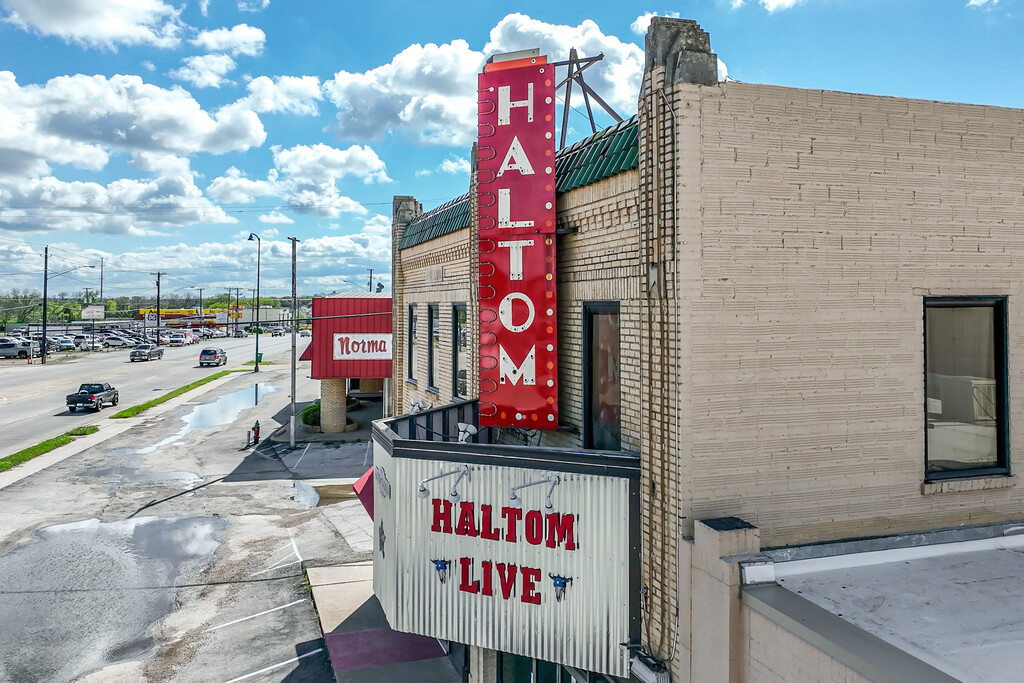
812 296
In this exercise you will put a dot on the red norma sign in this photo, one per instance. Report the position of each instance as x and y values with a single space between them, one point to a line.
516 199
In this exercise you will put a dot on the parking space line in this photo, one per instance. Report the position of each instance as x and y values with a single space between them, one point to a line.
276 666
296 465
252 616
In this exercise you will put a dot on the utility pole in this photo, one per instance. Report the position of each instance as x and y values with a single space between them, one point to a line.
101 281
202 313
158 274
238 315
46 279
87 290
370 286
295 324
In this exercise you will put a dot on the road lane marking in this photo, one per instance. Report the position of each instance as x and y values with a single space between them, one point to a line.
296 549
276 666
252 616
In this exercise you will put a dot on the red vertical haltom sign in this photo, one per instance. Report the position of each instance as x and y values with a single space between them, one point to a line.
516 200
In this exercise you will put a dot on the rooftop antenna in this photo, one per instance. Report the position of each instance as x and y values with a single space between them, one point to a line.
577 65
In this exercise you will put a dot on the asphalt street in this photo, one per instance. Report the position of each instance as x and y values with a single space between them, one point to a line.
171 552
32 405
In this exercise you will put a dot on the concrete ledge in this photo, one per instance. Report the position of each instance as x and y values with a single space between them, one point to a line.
974 484
867 654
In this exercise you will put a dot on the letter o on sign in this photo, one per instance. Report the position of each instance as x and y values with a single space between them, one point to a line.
505 311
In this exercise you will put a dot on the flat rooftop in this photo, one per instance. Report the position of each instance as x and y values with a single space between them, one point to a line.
958 606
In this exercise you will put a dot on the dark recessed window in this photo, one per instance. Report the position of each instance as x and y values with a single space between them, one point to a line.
433 344
410 345
965 387
460 352
601 399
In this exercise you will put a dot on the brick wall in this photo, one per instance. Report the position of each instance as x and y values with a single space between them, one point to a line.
824 218
774 655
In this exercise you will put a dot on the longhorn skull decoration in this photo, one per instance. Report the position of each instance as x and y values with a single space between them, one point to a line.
561 583
441 567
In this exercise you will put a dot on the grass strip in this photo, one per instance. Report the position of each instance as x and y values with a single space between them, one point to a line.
135 410
262 362
25 454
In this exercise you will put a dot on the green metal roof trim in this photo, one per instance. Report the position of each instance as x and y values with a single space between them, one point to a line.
602 155
449 217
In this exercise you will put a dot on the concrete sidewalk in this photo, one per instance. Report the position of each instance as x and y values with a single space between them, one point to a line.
361 646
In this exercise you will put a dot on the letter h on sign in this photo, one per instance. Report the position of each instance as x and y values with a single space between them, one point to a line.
516 200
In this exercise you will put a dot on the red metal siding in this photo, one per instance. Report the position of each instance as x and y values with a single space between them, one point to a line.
356 315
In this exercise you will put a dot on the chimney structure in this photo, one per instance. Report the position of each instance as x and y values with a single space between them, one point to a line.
683 48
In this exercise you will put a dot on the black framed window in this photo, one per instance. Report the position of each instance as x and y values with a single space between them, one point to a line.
410 345
433 345
460 352
966 430
602 405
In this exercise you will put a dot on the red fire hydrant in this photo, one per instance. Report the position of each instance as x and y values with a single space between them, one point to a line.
256 432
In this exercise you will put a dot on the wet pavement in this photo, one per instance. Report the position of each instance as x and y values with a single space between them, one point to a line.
121 582
142 559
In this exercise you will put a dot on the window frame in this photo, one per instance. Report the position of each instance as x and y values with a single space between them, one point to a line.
433 318
1001 357
591 308
410 345
456 307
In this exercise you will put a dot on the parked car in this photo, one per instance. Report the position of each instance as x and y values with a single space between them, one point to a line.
20 349
66 345
219 334
91 345
146 352
305 333
116 341
213 357
241 333
93 396
177 340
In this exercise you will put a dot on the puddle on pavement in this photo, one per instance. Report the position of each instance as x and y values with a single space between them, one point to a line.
334 493
224 410
94 587
120 475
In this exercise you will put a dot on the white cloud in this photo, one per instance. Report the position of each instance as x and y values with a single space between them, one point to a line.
268 233
305 177
168 198
982 3
319 163
428 91
283 94
204 7
252 5
275 217
775 5
204 71
79 120
237 40
148 65
643 22
234 188
452 164
723 70
93 23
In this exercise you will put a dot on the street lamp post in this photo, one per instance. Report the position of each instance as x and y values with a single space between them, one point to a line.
259 249
295 324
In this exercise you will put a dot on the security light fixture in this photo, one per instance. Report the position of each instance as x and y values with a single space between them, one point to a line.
453 495
466 430
418 405
514 501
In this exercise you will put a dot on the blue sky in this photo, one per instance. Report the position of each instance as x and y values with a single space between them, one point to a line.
157 134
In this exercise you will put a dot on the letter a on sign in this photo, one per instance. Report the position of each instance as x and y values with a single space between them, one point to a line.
516 210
